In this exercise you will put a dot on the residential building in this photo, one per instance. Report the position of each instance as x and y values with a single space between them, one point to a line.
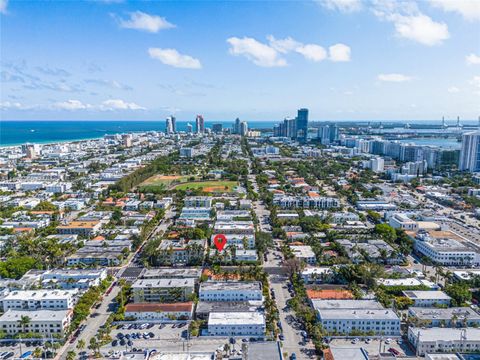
470 153
236 324
402 221
39 299
159 312
162 290
230 291
427 298
45 322
444 340
197 201
84 228
304 253
449 317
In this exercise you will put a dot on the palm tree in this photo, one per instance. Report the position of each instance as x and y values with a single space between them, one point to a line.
71 355
23 322
81 344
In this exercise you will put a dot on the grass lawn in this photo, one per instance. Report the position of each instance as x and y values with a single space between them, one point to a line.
208 186
161 182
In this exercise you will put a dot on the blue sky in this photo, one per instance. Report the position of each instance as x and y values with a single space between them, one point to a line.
343 59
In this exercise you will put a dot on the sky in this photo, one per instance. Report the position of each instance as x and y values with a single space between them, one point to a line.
145 60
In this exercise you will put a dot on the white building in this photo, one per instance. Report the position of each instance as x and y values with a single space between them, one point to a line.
402 221
159 312
198 201
304 253
162 290
39 299
444 340
305 202
445 251
236 324
449 317
230 291
469 159
425 298
345 321
46 322
317 275
73 278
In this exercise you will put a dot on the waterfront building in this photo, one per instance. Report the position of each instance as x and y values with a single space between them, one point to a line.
302 124
199 124
470 152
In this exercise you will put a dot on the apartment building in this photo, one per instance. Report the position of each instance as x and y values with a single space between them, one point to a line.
305 202
45 322
444 340
197 201
304 253
230 291
449 317
159 312
427 298
84 228
162 290
39 299
236 324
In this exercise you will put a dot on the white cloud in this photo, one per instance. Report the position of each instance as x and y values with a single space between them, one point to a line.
453 90
341 5
260 54
472 59
393 77
118 104
469 9
7 105
410 23
173 58
283 45
475 81
339 52
146 22
113 84
421 28
3 6
71 105
312 52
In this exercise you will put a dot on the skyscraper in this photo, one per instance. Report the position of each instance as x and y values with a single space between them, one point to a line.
302 124
169 125
236 126
290 127
189 128
199 124
470 153
243 128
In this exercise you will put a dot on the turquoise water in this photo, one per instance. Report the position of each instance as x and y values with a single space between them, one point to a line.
448 143
20 132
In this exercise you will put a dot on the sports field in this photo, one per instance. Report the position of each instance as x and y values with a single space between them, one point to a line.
208 186
165 180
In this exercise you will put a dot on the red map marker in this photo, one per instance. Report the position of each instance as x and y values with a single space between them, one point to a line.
220 241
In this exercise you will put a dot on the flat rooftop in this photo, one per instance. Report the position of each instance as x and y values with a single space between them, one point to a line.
346 304
163 283
357 314
426 295
447 314
231 286
236 318
447 334
37 315
38 295
159 273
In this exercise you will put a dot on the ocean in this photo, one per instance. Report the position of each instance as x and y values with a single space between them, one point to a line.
43 132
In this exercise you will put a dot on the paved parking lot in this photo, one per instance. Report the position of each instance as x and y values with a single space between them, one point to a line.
167 337
374 347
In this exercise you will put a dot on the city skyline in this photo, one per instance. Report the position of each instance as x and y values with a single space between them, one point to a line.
345 60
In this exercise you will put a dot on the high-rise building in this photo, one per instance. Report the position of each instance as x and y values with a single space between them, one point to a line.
169 125
189 128
127 140
470 153
236 126
31 151
302 124
217 128
290 127
199 124
243 128
328 134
